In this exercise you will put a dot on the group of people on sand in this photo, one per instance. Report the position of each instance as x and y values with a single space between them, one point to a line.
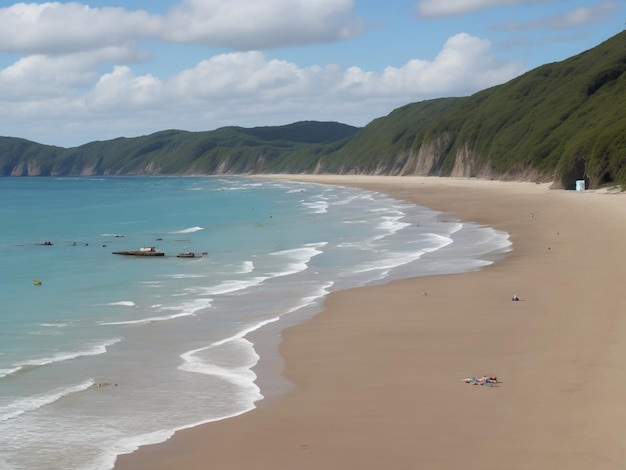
484 380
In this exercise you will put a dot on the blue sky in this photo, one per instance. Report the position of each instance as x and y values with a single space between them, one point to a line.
75 72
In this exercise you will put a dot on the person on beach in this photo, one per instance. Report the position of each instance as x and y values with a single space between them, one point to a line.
484 380
515 298
104 384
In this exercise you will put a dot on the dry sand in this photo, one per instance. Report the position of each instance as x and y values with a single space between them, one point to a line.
378 372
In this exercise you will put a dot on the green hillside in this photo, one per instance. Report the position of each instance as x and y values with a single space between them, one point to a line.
560 122
382 146
567 118
227 150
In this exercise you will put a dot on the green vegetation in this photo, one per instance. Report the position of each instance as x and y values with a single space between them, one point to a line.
562 121
232 150
383 145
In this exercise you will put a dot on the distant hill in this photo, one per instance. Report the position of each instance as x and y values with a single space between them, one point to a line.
229 150
559 122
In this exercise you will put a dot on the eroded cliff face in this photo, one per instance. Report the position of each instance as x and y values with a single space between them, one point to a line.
431 155
440 156
88 170
465 163
151 169
18 170
28 168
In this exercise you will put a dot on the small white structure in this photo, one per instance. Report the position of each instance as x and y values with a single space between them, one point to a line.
580 185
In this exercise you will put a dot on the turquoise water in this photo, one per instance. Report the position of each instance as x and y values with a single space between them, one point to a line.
170 337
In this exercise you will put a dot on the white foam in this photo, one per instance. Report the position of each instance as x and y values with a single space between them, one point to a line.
56 325
246 267
185 310
394 259
66 356
392 224
312 299
437 241
131 444
455 228
122 303
5 372
247 331
318 206
299 257
348 200
229 286
184 276
31 403
241 375
189 230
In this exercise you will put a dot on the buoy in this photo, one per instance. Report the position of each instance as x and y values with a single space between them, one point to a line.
36 282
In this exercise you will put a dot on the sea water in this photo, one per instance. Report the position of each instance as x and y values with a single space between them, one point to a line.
110 352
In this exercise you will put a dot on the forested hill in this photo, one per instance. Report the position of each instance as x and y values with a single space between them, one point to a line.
559 122
229 150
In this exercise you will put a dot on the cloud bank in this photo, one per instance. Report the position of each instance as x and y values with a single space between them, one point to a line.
446 8
77 72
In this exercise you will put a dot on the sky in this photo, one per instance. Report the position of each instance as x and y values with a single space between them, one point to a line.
76 72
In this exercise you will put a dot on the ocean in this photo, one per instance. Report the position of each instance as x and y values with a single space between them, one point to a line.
101 353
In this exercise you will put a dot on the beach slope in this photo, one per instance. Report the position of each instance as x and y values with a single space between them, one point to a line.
378 374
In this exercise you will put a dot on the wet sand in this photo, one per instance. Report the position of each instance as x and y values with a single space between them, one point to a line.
378 374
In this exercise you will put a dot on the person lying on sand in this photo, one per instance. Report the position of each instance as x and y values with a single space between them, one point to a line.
484 380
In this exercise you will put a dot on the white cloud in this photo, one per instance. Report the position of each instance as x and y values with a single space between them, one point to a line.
236 75
56 28
239 88
443 8
578 17
122 90
48 76
254 24
74 65
464 65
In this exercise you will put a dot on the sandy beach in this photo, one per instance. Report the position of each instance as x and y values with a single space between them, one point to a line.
378 374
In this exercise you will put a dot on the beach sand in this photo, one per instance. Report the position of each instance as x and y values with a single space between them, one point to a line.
378 374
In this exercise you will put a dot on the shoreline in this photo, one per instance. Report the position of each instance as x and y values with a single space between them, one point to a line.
390 393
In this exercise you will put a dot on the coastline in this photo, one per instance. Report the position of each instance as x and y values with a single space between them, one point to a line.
378 372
